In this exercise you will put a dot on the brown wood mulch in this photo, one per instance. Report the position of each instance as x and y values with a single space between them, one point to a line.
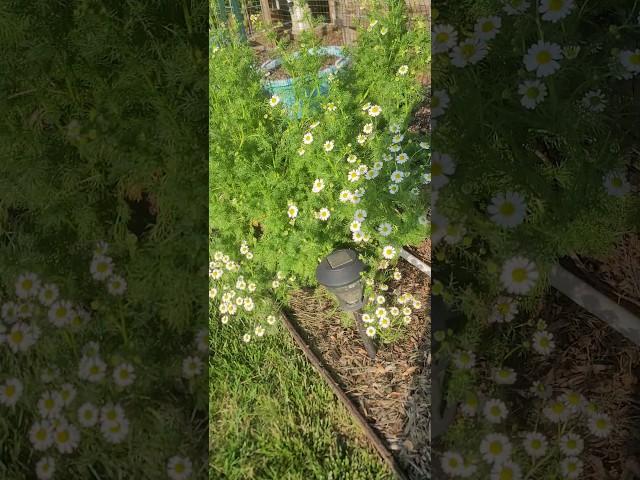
392 391
592 358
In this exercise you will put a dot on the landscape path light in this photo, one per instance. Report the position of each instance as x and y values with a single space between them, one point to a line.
340 272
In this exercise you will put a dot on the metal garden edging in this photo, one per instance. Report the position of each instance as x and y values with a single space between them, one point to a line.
595 302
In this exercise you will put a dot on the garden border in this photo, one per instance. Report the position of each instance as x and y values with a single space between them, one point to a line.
370 433
595 302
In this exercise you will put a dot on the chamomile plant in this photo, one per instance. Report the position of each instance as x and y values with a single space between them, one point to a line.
531 143
340 169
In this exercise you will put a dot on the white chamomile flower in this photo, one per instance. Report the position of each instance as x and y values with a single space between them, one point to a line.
60 313
368 128
66 437
384 322
380 312
557 411
403 70
542 57
574 400
616 183
504 310
504 376
571 467
328 145
48 294
41 435
346 196
88 415
10 392
115 431
179 468
318 185
439 103
515 7
45 468
246 338
67 393
385 229
554 10
375 110
468 52
20 337
10 312
355 226
271 319
360 215
124 375
543 342
402 158
292 211
506 470
394 149
111 412
508 209
495 448
307 139
371 331
357 236
353 176
352 158
464 359
323 214
519 275
535 444
191 367
27 285
600 425
259 331
393 189
470 404
571 444
397 176
92 369
442 166
495 411
301 151
389 252
486 28
367 318
630 60
397 138
274 100
116 285
533 93
452 463
101 267
594 101
444 38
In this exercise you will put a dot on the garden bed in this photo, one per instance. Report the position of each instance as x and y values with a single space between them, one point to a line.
603 365
392 391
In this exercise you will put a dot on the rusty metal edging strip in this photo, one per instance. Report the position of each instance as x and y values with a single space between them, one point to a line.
370 433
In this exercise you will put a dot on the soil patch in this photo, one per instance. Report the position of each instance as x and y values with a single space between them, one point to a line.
603 365
392 392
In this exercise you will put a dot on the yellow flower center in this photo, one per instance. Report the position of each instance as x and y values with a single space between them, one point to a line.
558 407
571 444
442 37
506 474
468 50
41 435
436 169
49 403
10 390
63 436
453 463
536 444
533 92
102 267
180 468
635 59
27 284
543 57
435 101
95 370
495 411
487 27
556 5
507 208
519 275
601 423
616 182
17 336
61 312
495 448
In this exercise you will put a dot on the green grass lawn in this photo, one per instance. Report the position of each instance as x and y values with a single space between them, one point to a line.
272 416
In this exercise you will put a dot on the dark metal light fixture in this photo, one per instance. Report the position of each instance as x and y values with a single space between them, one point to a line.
340 273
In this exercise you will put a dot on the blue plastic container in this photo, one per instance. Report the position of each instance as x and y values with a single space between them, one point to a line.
284 88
